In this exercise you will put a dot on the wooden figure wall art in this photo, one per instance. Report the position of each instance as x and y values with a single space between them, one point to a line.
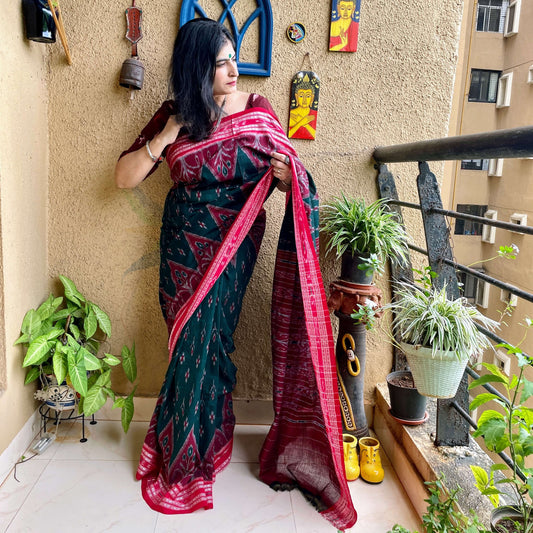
304 105
344 28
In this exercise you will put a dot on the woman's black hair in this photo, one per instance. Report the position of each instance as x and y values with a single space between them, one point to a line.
192 73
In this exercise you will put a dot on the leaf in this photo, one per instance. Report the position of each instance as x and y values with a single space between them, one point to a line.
486 378
71 292
103 319
127 411
49 306
129 363
527 391
111 359
31 323
483 398
90 324
77 372
38 351
23 339
32 374
94 400
493 432
91 361
54 333
119 402
60 363
74 330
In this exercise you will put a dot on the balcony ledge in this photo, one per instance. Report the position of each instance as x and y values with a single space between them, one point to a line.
416 459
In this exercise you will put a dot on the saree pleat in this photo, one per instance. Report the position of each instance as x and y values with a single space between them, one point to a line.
190 436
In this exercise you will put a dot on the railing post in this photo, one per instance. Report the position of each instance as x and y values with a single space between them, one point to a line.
452 429
387 189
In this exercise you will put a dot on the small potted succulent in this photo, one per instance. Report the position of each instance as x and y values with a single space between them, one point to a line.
364 236
63 339
438 336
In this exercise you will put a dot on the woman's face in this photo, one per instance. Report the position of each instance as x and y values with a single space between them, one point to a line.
226 72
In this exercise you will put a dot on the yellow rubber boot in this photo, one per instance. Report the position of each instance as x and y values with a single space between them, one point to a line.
371 469
351 461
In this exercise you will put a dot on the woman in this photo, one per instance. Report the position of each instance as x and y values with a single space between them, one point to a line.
223 147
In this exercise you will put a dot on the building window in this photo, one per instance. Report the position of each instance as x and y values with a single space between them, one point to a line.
488 233
520 219
475 164
508 298
530 74
468 284
512 18
483 85
482 293
505 84
495 167
469 227
491 15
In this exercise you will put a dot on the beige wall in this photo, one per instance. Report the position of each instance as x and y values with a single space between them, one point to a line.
396 88
23 190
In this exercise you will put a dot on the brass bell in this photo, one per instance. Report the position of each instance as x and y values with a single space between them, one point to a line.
132 74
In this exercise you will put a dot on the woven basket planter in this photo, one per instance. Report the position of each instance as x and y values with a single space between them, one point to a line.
438 376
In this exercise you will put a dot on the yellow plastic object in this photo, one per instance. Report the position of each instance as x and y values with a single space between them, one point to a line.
351 461
371 469
350 354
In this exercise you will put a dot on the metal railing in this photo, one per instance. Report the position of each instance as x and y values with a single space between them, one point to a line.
453 420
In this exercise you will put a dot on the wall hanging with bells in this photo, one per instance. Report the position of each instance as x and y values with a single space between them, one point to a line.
132 72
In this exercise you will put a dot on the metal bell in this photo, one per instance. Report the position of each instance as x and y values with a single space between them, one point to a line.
132 74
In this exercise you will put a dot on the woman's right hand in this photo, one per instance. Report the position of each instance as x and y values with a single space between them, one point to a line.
132 168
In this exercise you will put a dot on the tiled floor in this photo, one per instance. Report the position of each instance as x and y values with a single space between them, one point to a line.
74 487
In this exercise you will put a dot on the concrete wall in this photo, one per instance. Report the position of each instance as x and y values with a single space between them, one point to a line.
23 207
396 88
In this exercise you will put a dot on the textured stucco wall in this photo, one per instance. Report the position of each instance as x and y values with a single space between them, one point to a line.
396 88
23 190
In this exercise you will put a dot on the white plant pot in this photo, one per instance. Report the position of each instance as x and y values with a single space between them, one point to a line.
437 377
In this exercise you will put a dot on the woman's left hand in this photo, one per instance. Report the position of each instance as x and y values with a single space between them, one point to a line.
282 169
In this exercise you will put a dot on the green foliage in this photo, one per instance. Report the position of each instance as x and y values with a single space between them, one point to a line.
428 318
374 231
366 313
507 429
442 515
63 337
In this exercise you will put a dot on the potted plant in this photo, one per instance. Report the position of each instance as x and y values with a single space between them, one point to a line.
63 337
438 336
508 428
408 406
364 236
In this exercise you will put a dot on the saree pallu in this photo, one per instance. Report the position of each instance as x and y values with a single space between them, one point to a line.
212 228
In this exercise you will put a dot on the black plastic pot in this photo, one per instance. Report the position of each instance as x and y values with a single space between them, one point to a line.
407 404
40 25
351 272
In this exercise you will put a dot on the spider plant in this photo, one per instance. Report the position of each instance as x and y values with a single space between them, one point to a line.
373 231
426 317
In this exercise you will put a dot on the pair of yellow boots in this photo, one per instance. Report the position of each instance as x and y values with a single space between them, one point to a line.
370 467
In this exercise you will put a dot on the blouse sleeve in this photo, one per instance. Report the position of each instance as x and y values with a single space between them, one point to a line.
256 100
156 124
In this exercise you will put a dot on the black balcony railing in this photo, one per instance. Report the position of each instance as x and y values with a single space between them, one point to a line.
453 420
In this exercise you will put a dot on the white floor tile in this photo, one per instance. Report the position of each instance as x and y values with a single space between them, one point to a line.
381 506
247 443
307 518
93 496
106 441
241 504
13 492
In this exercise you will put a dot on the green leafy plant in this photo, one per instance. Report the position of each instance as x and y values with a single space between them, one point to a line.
63 337
428 318
508 428
367 313
442 514
372 231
